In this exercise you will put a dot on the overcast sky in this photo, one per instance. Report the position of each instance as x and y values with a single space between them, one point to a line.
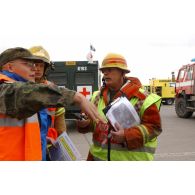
156 37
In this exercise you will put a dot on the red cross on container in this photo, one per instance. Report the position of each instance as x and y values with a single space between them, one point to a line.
85 92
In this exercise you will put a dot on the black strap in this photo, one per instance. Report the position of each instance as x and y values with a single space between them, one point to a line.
109 144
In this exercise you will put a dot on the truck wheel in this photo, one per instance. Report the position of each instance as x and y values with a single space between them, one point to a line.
180 108
169 101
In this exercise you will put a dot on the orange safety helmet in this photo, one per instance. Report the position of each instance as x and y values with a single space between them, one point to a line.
113 60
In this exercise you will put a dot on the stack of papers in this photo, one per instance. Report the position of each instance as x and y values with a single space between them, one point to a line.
64 149
121 111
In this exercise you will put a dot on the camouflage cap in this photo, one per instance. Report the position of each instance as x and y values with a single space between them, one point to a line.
16 53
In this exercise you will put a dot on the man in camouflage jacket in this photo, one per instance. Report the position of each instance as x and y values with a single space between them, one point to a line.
23 99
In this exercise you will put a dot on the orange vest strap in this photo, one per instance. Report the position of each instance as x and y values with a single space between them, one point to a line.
4 78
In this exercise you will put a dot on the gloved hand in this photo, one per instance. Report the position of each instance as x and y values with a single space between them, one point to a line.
119 134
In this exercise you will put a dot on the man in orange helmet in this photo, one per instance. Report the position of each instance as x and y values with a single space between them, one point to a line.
110 142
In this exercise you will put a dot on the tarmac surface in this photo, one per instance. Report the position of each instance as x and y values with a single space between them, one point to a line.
176 143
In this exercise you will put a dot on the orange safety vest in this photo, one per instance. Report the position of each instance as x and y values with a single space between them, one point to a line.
19 139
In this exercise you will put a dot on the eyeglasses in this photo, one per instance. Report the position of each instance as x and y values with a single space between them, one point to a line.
29 64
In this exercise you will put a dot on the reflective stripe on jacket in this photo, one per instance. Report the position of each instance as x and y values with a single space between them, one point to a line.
19 139
120 151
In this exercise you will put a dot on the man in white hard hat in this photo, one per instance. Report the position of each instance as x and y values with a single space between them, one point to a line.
52 120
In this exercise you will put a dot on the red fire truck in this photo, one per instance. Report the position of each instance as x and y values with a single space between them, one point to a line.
185 91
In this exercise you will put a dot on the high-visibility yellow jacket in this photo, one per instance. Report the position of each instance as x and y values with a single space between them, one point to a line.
121 151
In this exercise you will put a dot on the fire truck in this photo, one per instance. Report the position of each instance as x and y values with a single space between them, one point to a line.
164 88
81 76
185 91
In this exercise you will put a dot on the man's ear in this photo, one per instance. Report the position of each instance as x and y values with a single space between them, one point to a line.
8 66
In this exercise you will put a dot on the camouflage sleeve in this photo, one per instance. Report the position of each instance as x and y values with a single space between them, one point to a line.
21 100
